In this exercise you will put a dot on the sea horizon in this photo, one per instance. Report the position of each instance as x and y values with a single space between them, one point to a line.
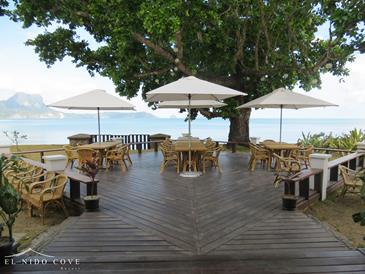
56 131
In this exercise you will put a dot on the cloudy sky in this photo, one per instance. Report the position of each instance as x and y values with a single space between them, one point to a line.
21 71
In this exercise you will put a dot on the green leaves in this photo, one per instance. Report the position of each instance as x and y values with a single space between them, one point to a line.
9 199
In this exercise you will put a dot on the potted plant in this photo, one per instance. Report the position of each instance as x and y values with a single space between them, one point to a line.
90 168
289 200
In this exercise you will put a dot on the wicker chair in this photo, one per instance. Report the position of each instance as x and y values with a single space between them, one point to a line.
118 156
52 194
303 155
38 185
71 153
86 154
258 154
351 184
286 164
169 155
212 156
18 179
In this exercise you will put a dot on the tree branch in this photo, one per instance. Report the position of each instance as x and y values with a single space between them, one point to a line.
180 50
156 72
161 52
208 114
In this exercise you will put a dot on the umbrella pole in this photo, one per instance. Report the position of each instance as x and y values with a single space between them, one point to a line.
281 120
189 108
99 124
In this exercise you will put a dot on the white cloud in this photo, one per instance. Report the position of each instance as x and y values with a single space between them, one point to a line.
22 71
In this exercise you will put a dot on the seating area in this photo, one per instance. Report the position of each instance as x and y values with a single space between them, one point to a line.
202 154
37 187
279 156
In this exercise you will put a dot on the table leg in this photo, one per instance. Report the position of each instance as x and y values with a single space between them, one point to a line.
74 189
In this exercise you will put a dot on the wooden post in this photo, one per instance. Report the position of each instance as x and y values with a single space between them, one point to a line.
234 147
155 145
321 161
42 154
139 148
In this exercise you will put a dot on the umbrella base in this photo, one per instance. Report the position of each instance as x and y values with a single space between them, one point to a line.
190 174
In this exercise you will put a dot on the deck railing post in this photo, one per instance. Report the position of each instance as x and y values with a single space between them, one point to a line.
234 147
361 149
155 145
320 161
42 154
139 148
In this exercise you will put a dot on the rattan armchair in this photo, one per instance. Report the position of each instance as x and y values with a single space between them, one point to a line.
303 155
71 153
118 156
286 164
169 156
212 156
53 194
85 155
351 184
258 154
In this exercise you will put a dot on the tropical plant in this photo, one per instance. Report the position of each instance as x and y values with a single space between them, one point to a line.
10 206
15 137
252 46
90 168
346 141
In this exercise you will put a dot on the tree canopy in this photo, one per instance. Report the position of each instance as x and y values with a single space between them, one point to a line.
253 46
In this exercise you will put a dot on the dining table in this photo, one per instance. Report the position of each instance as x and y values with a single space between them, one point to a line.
102 148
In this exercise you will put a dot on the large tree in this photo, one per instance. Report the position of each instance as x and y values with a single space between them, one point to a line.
250 45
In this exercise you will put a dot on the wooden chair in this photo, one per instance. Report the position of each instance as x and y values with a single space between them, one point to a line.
351 184
169 155
71 153
210 144
18 179
303 155
52 194
212 156
286 164
86 154
118 156
38 185
127 156
258 154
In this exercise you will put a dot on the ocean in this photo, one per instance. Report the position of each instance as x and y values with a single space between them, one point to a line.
49 131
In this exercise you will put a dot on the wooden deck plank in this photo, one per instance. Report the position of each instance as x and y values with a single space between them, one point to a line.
229 223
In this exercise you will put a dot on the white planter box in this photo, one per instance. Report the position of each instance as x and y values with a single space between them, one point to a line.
5 149
55 162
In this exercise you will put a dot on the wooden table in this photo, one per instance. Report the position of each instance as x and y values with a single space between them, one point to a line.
102 147
278 148
197 148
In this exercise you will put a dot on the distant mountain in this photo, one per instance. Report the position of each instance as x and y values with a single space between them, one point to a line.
31 106
22 105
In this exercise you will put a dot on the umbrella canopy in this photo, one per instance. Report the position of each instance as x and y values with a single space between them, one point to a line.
192 87
94 100
284 98
193 104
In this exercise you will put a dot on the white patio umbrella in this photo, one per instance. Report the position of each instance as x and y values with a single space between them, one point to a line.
190 89
193 104
94 100
284 98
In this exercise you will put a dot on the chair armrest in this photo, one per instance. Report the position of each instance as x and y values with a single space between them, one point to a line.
35 185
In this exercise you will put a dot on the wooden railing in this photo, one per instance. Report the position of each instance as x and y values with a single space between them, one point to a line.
308 184
131 139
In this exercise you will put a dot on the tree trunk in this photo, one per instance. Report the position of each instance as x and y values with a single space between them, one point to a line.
239 126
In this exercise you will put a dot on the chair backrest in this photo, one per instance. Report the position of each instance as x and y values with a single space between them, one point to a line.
268 141
217 151
308 150
71 152
86 154
57 186
347 178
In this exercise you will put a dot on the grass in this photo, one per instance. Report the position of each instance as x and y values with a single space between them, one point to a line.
36 156
337 213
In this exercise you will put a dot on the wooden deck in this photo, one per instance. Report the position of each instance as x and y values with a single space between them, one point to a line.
229 223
